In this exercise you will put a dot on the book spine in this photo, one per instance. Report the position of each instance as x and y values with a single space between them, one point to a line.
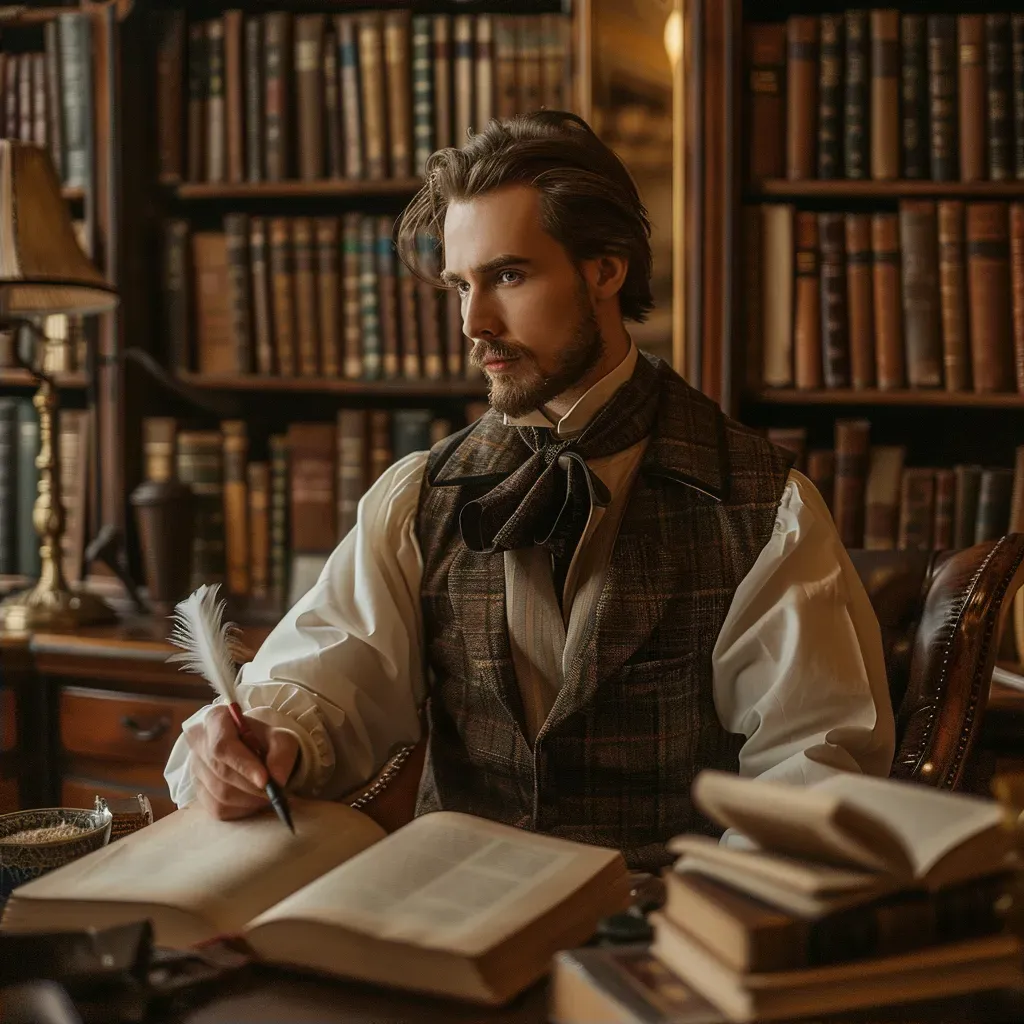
777 261
258 481
169 28
236 229
216 351
994 495
369 302
454 347
766 98
483 81
216 163
328 310
1017 287
282 285
196 136
834 317
914 79
917 510
277 48
26 128
956 351
1000 103
75 34
429 311
921 315
821 471
443 110
807 340
801 96
309 95
851 470
306 329
169 158
885 94
942 96
262 304
965 517
861 300
371 82
177 301
201 467
234 102
889 352
387 300
882 497
752 316
380 444
945 509
29 562
352 326
1017 84
988 268
313 472
236 506
830 96
422 93
255 90
332 105
347 29
412 362
399 91
279 526
530 59
463 52
857 148
973 115
352 466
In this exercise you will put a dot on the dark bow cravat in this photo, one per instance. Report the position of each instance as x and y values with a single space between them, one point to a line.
548 499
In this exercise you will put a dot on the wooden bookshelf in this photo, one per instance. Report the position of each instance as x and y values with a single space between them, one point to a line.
17 16
777 188
359 189
413 389
938 399
18 378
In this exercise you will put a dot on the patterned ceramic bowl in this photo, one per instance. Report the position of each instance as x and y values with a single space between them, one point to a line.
22 861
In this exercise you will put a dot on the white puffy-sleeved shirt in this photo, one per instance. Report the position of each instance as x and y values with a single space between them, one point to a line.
797 669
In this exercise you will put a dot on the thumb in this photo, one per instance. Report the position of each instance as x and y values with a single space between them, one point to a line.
282 753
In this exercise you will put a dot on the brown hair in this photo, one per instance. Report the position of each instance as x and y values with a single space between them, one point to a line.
589 202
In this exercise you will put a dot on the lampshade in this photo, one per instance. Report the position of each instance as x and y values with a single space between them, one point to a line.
42 267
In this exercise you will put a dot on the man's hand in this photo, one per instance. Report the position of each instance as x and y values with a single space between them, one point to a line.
228 777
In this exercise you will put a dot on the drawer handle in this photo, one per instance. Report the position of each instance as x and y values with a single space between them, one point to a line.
146 733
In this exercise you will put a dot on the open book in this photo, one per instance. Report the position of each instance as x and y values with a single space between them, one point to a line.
842 840
449 904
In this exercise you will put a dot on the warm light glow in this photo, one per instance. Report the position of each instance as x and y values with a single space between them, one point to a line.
674 37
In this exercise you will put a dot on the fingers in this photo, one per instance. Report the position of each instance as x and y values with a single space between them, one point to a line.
282 752
222 801
224 750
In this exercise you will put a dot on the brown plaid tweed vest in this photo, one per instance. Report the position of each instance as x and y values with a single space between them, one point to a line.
635 719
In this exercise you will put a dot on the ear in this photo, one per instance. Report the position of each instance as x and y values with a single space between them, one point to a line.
605 276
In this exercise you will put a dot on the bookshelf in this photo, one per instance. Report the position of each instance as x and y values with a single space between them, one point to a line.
298 189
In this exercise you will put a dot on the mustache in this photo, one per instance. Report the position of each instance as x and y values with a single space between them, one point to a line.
486 351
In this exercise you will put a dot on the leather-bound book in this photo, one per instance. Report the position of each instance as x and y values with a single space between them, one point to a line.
387 291
307 332
802 46
334 154
25 114
857 141
956 349
882 497
398 84
793 439
1017 88
423 93
777 305
830 96
917 510
258 480
965 514
279 527
39 117
529 66
430 301
12 125
216 352
945 510
313 471
766 100
369 301
169 31
255 92
483 81
555 30
973 97
282 285
351 303
885 94
201 467
170 48
860 297
942 97
372 93
234 104
821 471
1017 288
921 308
889 353
994 496
196 131
262 302
807 338
751 313
346 28
988 268
379 444
277 122
177 274
463 55
506 90
444 134
1000 100
309 95
835 333
236 230
236 505
328 248
412 360
353 455
852 452
914 96
454 346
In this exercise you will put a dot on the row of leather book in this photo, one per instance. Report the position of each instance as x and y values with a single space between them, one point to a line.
883 95
268 512
371 95
308 297
46 97
19 487
929 297
879 502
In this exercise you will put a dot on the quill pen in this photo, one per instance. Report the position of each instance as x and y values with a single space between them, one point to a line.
207 643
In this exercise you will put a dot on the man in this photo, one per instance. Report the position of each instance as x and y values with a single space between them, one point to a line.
602 586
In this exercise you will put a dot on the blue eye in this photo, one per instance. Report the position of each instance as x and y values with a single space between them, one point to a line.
515 276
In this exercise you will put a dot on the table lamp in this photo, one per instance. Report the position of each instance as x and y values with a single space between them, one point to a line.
43 271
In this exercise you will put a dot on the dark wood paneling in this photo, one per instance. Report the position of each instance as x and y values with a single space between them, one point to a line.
8 720
9 796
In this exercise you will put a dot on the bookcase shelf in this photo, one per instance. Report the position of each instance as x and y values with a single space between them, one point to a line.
24 379
327 385
18 16
850 189
360 188
942 399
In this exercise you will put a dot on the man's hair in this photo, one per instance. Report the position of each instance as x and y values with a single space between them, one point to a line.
589 202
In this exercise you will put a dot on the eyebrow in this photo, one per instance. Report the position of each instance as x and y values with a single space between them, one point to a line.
498 263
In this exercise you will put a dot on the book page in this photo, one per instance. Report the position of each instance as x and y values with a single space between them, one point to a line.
225 872
448 881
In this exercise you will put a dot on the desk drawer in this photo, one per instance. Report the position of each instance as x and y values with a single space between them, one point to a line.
8 720
78 792
122 727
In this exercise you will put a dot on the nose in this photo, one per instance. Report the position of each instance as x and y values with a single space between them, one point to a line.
481 318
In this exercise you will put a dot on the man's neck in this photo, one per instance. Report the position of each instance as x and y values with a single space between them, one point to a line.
616 348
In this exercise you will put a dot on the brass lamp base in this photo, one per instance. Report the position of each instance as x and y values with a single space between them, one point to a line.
46 608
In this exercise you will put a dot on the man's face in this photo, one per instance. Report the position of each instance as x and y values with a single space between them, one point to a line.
525 306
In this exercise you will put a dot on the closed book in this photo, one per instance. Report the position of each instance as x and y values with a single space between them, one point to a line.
216 351
1000 101
555 30
860 297
917 510
994 498
26 100
444 134
372 94
29 563
397 79
380 455
387 299
8 486
943 97
821 471
279 526
965 513
852 453
328 313
334 153
1017 288
236 505
483 79
312 460
353 454
914 96
956 349
369 302
988 269
255 91
890 357
234 92
307 330
885 94
10 95
455 350
236 231
309 95
765 46
793 439
778 299
1017 87
410 432
346 28
351 312
835 333
177 275
857 140
200 465
973 97
751 314
429 309
463 54
277 98
921 308
170 53
196 127
258 481
882 497
169 31
423 92
945 510
807 340
409 331
802 47
830 96
76 52
282 290
529 64
262 296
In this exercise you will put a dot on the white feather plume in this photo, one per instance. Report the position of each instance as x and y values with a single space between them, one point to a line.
206 641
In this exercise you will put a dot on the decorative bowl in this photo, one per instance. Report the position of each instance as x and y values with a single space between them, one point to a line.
20 862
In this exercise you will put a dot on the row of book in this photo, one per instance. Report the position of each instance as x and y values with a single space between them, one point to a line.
264 526
367 95
930 297
883 95
64 350
880 503
46 97
307 297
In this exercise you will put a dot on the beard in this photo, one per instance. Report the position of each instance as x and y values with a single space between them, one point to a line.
527 387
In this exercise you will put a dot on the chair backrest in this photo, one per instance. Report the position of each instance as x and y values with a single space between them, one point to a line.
942 615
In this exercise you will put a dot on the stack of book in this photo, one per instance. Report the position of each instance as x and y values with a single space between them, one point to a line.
856 892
